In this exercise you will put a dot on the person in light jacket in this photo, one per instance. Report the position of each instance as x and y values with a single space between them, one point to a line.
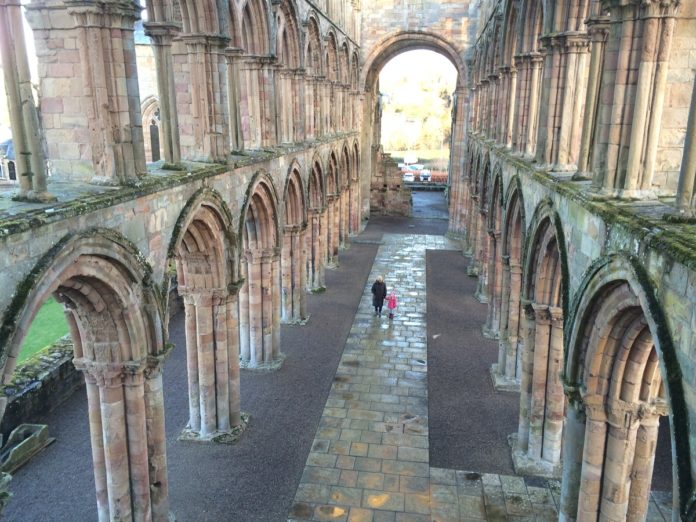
379 292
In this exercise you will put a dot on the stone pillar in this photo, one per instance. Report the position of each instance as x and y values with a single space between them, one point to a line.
592 459
264 311
126 420
212 347
562 96
299 106
598 28
233 57
457 148
24 118
535 73
161 34
293 275
509 118
574 439
493 94
105 32
530 452
286 274
687 175
481 256
644 462
491 329
209 139
315 253
630 114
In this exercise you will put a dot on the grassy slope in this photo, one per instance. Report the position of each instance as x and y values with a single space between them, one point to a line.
49 325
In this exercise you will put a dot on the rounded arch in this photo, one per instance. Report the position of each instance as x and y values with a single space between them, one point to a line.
331 61
200 16
495 200
545 272
253 33
616 298
102 277
332 172
316 193
514 224
259 225
394 44
345 171
356 161
313 50
294 197
205 224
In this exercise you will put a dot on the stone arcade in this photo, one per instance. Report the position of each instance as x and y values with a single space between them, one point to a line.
572 180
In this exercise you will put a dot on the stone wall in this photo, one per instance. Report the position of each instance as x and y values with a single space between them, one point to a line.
388 194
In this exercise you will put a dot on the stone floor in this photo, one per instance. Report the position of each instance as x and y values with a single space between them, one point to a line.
369 461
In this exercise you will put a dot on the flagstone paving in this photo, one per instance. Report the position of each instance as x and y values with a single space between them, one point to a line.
369 461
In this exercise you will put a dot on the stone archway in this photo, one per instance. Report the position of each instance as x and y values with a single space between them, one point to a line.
382 52
206 261
111 309
537 448
152 129
618 387
259 297
294 252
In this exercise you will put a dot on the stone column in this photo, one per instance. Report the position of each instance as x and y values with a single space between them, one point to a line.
276 356
535 73
598 28
161 34
592 458
210 139
574 439
299 106
457 151
526 383
509 118
481 257
233 56
293 275
126 446
494 287
687 175
521 119
286 274
491 124
315 254
105 32
555 398
212 346
540 372
631 104
243 311
266 97
644 460
562 97
24 118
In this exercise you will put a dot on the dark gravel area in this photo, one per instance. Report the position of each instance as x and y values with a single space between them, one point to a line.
468 420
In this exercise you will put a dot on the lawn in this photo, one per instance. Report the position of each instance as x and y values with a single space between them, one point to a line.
49 325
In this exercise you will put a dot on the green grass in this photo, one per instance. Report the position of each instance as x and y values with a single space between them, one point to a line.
49 325
434 159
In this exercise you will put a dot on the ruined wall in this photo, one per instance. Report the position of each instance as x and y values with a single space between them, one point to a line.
388 194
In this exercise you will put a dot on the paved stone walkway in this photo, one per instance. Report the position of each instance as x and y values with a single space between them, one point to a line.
370 457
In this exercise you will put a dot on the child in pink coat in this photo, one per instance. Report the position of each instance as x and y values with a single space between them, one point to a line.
391 304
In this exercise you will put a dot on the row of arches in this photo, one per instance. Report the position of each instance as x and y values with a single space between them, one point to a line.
595 370
545 83
256 75
238 277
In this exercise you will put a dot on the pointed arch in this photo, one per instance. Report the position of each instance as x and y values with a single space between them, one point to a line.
254 28
542 401
200 16
316 187
313 46
317 236
204 252
294 251
260 295
332 63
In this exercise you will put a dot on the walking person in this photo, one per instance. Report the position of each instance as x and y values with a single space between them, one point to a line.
379 292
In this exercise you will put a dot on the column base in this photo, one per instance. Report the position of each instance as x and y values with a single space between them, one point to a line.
270 366
472 270
332 264
455 236
318 290
524 465
481 298
489 333
230 436
502 383
300 322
